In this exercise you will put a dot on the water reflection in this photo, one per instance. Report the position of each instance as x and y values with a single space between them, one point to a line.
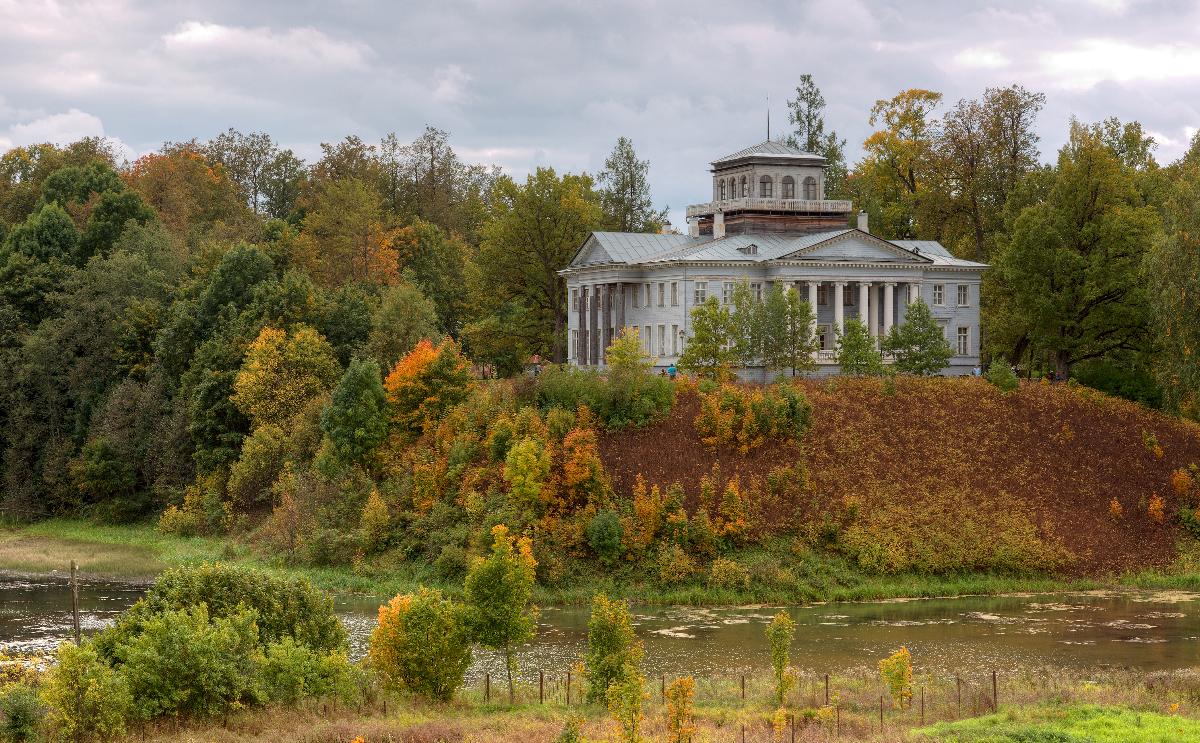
1117 629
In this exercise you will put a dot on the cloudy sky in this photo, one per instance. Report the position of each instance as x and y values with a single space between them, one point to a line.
521 83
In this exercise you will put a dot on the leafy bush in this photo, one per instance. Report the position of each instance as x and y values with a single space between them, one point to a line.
674 566
780 633
746 417
619 399
604 535
613 650
375 523
283 606
184 662
1001 375
896 673
291 671
451 563
726 573
87 699
681 698
421 644
20 713
426 383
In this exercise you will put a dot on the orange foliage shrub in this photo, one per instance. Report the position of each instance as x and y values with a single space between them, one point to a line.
1115 511
426 383
1155 508
746 417
1182 482
583 477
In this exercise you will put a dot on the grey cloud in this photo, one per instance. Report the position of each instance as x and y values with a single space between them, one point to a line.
533 83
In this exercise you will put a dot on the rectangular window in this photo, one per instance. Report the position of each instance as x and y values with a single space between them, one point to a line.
646 302
822 294
674 340
662 340
964 295
756 291
662 294
701 292
823 337
939 295
964 341
575 300
637 299
574 344
726 292
847 297
646 339
674 293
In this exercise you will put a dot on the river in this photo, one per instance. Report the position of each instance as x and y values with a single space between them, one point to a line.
1142 630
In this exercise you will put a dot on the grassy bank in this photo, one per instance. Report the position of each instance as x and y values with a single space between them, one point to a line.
1049 705
139 552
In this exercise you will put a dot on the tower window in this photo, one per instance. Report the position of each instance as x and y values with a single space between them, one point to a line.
722 190
745 193
810 188
764 187
789 187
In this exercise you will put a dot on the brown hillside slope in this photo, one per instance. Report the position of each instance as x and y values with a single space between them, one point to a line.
1057 454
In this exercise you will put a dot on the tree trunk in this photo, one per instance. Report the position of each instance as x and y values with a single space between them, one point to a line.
508 666
1062 364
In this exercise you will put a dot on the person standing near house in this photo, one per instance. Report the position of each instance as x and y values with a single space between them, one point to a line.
671 372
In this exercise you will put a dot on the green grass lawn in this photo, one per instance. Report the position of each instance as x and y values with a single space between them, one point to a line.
1079 723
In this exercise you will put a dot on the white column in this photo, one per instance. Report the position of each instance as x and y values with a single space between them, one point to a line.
812 303
873 310
888 298
864 303
839 323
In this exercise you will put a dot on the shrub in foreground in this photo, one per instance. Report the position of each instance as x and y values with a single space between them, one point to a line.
612 650
284 607
88 700
1001 375
291 671
421 645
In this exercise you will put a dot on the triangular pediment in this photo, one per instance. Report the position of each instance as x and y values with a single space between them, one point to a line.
591 252
855 246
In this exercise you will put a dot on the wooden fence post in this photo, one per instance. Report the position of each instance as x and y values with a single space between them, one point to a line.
75 602
487 687
922 706
662 687
568 687
743 695
827 689
541 687
881 714
837 711
958 697
995 694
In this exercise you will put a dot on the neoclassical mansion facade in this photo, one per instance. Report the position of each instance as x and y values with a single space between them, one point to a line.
768 222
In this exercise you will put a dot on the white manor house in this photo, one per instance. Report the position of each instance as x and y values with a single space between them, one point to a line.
768 222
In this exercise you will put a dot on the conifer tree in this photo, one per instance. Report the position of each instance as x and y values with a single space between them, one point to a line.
356 419
918 343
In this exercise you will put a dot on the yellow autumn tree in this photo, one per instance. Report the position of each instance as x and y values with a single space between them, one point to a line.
281 373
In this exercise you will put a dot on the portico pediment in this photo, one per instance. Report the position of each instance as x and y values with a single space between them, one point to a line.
591 252
855 246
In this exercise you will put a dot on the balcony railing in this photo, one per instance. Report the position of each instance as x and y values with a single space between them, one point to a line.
821 206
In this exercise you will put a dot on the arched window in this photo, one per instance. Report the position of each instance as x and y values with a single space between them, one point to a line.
733 188
789 187
764 187
722 189
744 192
810 188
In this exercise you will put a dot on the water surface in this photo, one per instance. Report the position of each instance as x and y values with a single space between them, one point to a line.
1142 630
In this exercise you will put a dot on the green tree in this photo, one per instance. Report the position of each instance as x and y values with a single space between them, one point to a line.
421 644
709 351
919 344
48 233
625 699
746 325
108 220
356 419
532 233
806 113
856 352
625 192
436 263
613 650
249 160
787 330
1070 271
1173 272
345 238
780 633
526 470
404 316
75 184
499 593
